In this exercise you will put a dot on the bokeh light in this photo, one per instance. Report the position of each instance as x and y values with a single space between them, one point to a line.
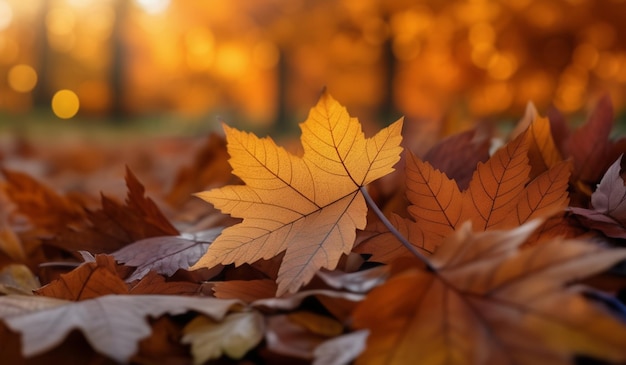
262 61
22 78
65 104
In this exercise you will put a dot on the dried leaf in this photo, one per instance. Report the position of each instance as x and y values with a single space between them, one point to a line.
316 323
496 186
209 168
473 145
488 302
116 225
88 281
608 204
233 336
590 146
308 207
153 283
112 324
245 290
166 254
341 350
434 199
287 338
18 279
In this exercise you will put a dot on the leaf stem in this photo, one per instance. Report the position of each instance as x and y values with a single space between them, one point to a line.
393 229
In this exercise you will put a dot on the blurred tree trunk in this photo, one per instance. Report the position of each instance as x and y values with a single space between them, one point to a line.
118 55
42 92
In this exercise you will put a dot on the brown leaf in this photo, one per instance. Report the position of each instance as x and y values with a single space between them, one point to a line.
46 209
153 283
288 338
488 302
209 169
89 280
457 156
245 290
116 225
496 186
590 146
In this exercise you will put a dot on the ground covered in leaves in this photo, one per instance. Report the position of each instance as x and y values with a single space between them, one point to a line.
480 249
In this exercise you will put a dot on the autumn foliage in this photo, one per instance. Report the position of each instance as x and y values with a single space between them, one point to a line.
469 254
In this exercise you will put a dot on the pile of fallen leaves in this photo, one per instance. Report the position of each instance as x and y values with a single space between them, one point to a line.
467 254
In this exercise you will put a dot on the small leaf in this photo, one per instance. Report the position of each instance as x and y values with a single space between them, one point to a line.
341 350
233 336
165 254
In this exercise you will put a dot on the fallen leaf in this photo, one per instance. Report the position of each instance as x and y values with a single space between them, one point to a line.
116 225
316 323
288 338
473 145
608 204
500 195
153 283
18 279
208 169
233 336
88 281
489 302
112 324
165 254
590 146
357 282
245 290
46 209
340 350
309 206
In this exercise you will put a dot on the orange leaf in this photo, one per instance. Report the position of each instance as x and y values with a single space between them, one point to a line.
542 151
309 206
434 198
489 302
544 196
496 185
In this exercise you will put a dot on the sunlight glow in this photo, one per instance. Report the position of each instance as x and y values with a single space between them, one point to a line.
153 6
6 15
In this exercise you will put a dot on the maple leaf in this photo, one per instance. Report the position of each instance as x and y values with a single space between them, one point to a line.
489 302
234 336
112 324
500 195
309 206
608 203
116 225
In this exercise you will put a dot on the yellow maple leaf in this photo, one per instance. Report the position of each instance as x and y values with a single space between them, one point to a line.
488 302
307 206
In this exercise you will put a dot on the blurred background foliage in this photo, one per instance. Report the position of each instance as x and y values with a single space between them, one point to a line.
264 62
